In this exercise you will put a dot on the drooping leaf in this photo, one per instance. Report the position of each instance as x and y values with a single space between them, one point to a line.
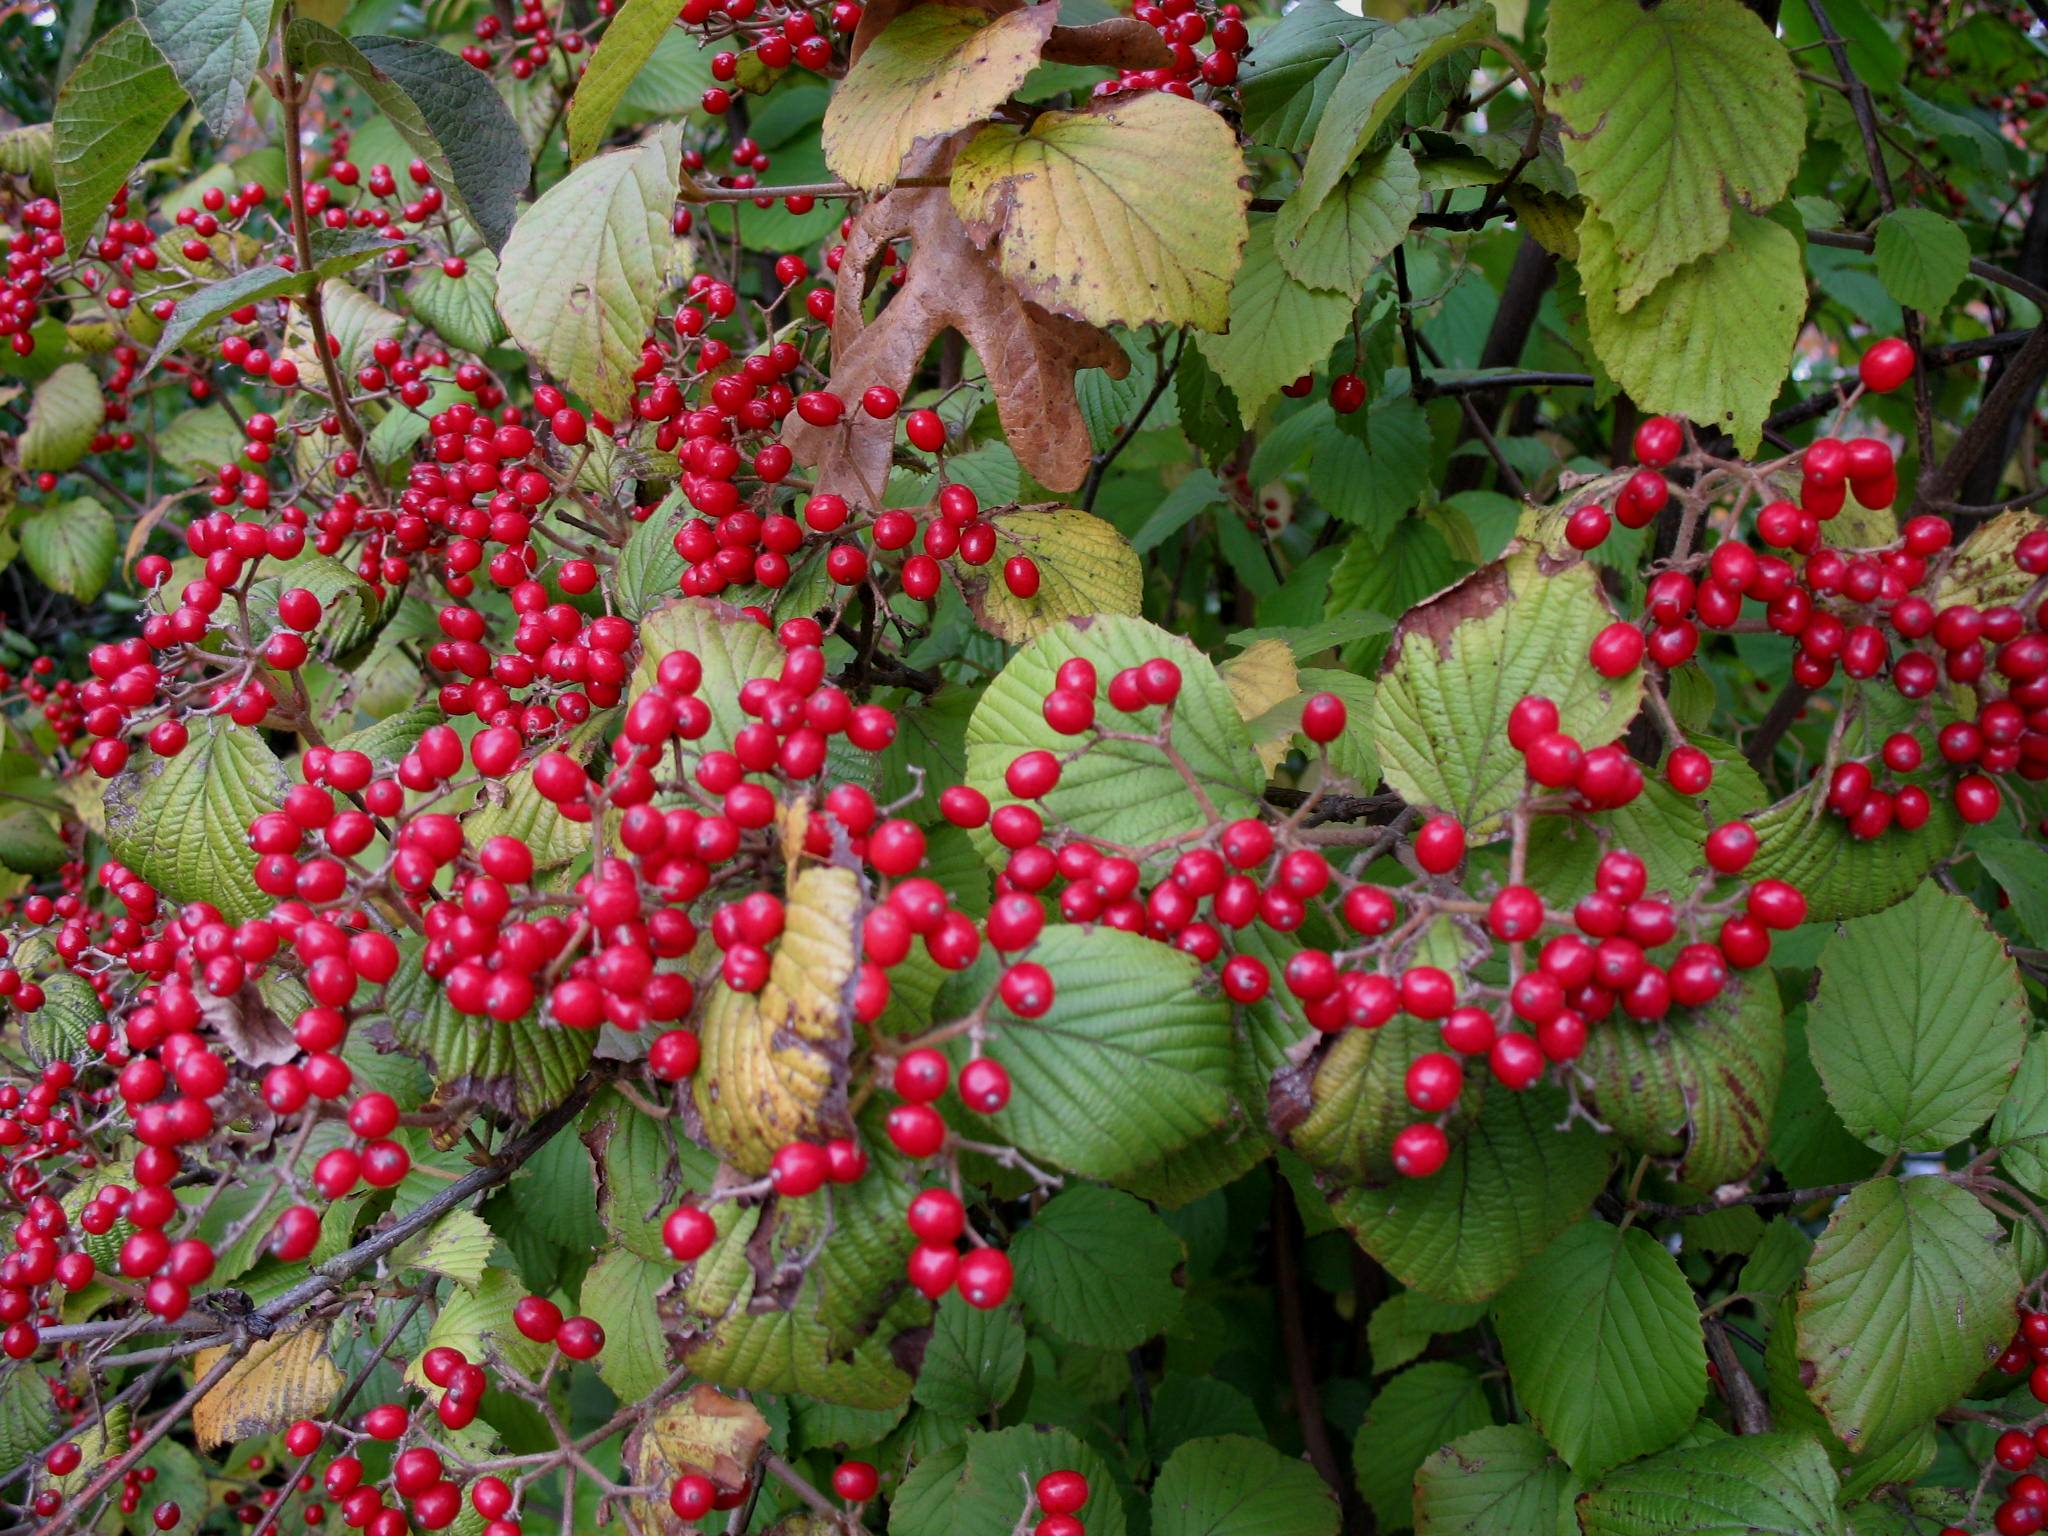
1084 567
213 47
1603 1342
1677 118
1123 793
929 72
973 1360
334 252
71 546
1702 1087
1908 1297
775 1063
1712 341
445 109
107 115
1513 1181
1130 212
64 413
1096 1266
1338 242
1498 1481
1751 1485
1918 1023
1420 1411
1922 257
1460 662
182 823
1233 1485
1279 328
583 272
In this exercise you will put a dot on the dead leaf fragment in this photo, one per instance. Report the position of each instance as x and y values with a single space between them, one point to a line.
282 1379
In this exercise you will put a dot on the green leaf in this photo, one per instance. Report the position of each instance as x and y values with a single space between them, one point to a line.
1702 1087
182 823
64 414
213 47
732 648
1376 79
1676 117
1355 1099
1461 661
1338 242
630 38
1495 1482
1233 1485
1922 257
1189 1407
1417 1413
584 271
990 1493
1603 1341
1907 1299
30 842
1096 1266
462 310
972 1361
27 1414
1084 567
2020 1128
71 547
1513 1181
618 1294
108 114
479 1323
1117 793
458 1246
1279 328
1129 212
1372 485
1754 1485
522 1068
1402 1326
1713 340
334 252
58 1028
929 72
1845 876
1130 1063
1286 81
447 111
649 569
1918 1023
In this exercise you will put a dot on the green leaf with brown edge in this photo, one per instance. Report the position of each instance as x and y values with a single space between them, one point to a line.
1676 119
1803 843
637 1181
1459 663
182 823
1918 1022
1981 572
521 1068
107 115
1603 1342
1907 1299
1498 1481
1701 1086
1513 1181
64 414
1748 1485
1130 212
1421 1410
448 111
71 546
1279 328
932 70
1084 567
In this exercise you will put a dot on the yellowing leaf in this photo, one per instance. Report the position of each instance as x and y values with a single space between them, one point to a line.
582 275
279 1380
1084 566
774 1068
1130 212
1713 341
1261 678
702 1431
63 414
931 71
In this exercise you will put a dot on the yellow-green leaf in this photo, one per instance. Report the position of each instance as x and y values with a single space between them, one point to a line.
932 70
1336 243
630 38
1128 213
63 414
1084 566
70 546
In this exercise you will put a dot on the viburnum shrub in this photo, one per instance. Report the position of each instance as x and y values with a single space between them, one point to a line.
998 769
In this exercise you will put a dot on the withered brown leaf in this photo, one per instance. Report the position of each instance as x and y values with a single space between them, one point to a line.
1030 355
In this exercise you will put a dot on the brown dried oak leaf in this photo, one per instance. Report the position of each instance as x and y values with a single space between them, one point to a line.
1029 354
